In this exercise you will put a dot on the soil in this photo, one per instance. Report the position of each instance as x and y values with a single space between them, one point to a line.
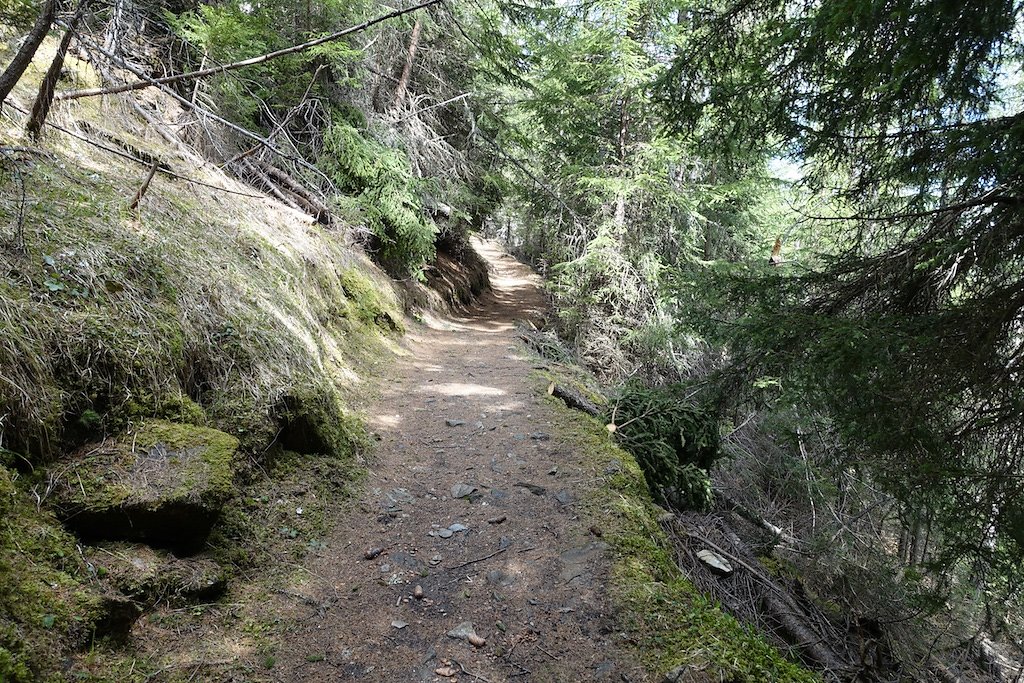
471 498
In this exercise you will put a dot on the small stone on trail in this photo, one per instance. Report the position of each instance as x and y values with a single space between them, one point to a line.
398 624
463 490
476 641
504 542
435 560
445 671
563 497
417 592
454 423
540 436
553 471
372 553
444 533
497 520
456 528
463 631
532 488
499 577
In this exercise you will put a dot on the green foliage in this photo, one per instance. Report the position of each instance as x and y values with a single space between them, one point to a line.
20 13
674 440
227 32
386 192
904 328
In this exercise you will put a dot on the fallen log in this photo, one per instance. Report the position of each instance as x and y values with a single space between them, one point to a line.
574 399
306 199
794 627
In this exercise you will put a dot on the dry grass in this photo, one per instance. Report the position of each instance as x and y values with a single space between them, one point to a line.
230 300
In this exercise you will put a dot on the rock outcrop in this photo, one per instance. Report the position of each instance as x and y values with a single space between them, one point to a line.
163 484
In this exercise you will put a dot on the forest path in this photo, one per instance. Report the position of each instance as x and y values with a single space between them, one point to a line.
472 499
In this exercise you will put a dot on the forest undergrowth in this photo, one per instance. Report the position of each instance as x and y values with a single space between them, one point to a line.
785 238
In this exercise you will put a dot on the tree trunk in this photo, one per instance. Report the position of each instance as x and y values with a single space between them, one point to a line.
41 108
17 67
403 80
619 217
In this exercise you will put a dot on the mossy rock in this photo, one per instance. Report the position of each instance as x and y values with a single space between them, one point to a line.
163 484
152 576
313 422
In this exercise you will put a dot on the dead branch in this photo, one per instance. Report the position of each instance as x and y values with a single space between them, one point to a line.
145 186
254 172
479 559
252 61
574 399
410 58
189 106
781 537
303 197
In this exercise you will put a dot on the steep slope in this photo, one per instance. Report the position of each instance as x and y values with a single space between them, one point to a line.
208 306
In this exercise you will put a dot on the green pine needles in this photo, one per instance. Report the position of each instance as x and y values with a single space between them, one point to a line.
379 179
674 440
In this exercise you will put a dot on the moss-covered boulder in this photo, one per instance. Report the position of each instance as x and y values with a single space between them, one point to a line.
163 484
153 576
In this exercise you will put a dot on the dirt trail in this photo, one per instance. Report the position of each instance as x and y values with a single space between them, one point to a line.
464 444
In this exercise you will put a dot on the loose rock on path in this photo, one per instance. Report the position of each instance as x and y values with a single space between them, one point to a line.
467 525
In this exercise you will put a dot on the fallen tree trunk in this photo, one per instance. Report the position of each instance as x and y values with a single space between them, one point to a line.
795 629
306 199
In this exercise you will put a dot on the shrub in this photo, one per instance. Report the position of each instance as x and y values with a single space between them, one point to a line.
674 441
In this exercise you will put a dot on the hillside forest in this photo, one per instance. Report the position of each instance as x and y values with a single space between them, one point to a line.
782 252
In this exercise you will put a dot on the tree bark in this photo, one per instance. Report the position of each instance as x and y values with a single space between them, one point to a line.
41 108
35 38
410 58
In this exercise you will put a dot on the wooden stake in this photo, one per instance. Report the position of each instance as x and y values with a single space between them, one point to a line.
145 186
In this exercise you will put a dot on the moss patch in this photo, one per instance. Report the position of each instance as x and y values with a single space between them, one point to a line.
313 421
50 603
164 483
364 303
671 623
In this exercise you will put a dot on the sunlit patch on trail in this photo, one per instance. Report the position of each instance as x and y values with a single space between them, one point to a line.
461 389
385 420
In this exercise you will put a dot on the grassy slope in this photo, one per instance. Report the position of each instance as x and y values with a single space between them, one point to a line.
203 307
669 622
